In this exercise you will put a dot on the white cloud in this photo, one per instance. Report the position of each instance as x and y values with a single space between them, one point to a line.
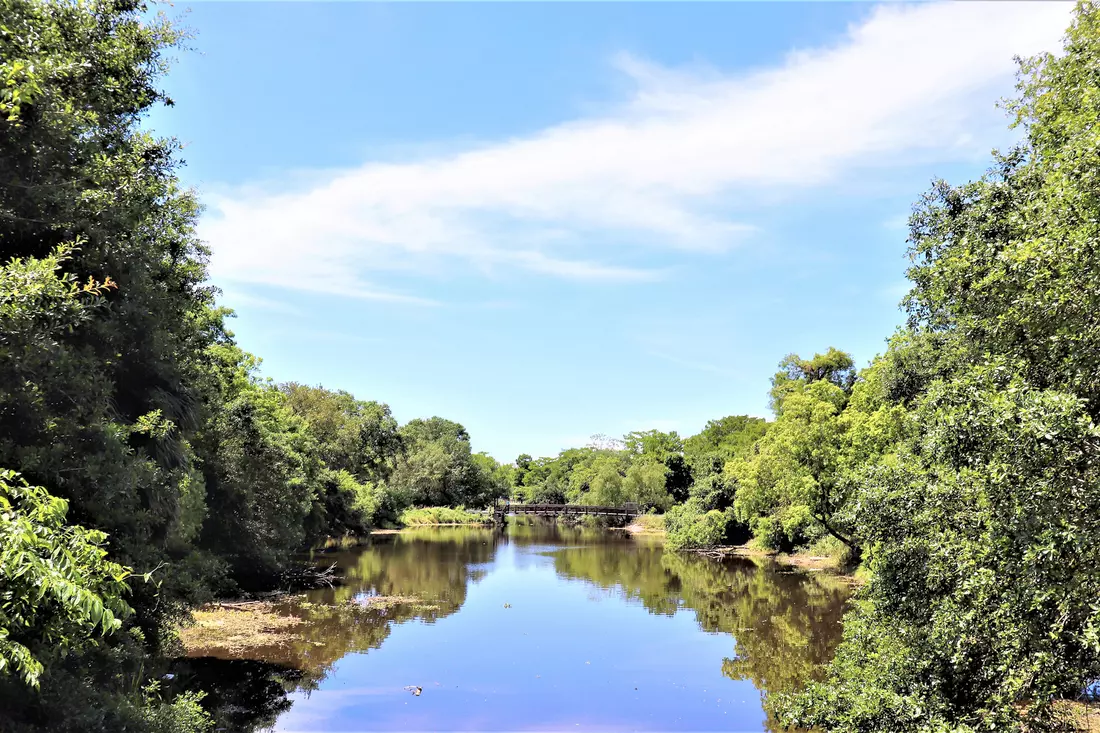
667 169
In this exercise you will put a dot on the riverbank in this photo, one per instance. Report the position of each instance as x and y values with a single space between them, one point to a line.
441 516
805 560
647 524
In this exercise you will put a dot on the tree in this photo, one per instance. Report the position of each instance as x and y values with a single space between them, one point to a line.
261 471
666 449
833 366
496 479
792 480
352 435
57 588
439 469
645 484
356 443
984 585
101 410
981 610
707 453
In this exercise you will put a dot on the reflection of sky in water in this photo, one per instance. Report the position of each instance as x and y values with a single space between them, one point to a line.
600 636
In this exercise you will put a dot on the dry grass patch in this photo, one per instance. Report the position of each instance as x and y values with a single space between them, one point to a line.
386 602
808 561
1084 716
244 627
235 627
647 524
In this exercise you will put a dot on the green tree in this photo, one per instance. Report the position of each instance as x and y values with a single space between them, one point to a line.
792 481
57 588
708 452
100 412
668 450
438 468
261 471
834 366
645 483
981 611
357 444
352 435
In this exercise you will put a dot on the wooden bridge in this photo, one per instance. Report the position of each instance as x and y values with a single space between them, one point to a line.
503 508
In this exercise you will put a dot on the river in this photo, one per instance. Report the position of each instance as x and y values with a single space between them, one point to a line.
537 627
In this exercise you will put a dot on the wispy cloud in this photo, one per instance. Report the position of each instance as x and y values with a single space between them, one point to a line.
670 168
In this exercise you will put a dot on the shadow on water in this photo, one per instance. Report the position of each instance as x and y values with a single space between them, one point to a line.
241 694
782 626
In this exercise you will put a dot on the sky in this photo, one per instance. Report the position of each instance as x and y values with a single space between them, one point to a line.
549 221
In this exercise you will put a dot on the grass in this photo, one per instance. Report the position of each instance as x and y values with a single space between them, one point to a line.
235 627
432 515
648 523
240 628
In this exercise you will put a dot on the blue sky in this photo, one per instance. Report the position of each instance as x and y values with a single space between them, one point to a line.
547 221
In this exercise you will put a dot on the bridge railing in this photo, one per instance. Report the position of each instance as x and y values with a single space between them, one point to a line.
508 507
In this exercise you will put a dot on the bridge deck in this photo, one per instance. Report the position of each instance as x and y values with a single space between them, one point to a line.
558 509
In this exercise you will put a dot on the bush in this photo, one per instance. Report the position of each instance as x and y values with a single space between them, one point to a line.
788 528
690 527
651 522
832 548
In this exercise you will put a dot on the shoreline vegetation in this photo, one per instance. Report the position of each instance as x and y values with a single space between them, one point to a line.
251 628
441 516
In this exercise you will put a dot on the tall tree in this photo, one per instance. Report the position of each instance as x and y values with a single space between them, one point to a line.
981 612
834 366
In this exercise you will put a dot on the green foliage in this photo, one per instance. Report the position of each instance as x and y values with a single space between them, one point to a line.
438 468
352 435
645 484
260 470
651 468
57 588
796 483
963 619
666 449
716 445
795 373
356 444
981 610
791 479
441 515
184 714
691 526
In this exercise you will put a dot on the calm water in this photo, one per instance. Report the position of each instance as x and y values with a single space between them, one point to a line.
538 628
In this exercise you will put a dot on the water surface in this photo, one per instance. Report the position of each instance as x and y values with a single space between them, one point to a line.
538 628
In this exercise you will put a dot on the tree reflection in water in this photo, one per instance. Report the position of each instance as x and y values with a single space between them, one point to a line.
784 626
